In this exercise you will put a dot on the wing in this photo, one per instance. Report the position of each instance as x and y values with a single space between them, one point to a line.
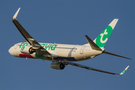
90 68
35 45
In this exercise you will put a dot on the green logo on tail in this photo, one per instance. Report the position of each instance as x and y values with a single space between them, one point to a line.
103 37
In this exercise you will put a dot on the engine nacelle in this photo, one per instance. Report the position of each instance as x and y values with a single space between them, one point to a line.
28 50
57 65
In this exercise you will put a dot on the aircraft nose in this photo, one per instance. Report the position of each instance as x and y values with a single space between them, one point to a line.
12 51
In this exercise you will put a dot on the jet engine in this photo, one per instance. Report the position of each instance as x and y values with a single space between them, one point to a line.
28 50
57 65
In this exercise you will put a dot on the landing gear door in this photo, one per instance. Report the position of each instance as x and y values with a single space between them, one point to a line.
82 49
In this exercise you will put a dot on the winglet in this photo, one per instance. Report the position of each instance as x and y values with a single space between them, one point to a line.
124 70
14 17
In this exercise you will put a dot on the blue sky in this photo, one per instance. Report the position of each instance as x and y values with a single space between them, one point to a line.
67 21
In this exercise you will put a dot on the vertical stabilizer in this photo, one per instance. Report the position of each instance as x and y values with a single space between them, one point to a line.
105 34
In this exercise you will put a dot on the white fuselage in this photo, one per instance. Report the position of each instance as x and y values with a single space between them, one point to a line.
61 52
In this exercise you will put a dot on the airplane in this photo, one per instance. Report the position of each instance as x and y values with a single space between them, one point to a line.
63 54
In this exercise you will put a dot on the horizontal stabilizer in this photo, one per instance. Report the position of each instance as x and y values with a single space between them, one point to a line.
92 44
116 55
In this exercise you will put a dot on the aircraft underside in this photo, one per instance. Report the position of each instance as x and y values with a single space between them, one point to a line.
62 54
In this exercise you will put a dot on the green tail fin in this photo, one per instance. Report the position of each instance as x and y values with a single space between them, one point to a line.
105 34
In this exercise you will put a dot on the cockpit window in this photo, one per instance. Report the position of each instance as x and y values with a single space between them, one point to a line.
16 45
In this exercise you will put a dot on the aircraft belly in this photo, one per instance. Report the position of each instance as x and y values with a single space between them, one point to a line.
63 52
